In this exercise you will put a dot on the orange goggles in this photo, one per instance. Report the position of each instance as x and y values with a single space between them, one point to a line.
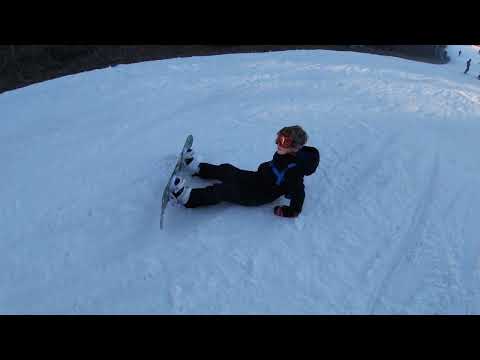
284 141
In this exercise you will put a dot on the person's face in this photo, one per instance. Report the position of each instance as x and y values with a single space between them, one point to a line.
284 145
283 151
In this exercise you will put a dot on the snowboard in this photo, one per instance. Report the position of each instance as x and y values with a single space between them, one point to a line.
178 168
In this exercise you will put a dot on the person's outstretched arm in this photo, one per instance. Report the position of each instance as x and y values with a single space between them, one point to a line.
297 197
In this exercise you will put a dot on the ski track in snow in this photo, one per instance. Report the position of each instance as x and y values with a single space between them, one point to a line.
389 220
413 236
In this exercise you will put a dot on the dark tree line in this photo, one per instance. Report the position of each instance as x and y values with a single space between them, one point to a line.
22 65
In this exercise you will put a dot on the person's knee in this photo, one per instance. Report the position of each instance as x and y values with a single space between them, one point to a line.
226 166
227 171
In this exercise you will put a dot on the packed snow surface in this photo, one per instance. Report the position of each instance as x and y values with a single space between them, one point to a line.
390 223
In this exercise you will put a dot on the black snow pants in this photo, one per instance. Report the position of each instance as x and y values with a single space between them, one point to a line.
237 186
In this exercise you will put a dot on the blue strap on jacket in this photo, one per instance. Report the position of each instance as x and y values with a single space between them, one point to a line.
281 174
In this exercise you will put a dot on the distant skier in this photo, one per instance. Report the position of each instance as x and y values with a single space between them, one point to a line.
283 175
459 52
468 66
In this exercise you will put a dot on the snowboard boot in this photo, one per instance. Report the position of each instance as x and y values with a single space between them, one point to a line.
179 193
191 164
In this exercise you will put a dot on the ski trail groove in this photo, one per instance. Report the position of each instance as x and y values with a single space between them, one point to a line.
412 239
356 186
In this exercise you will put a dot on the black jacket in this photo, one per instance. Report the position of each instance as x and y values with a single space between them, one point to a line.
283 175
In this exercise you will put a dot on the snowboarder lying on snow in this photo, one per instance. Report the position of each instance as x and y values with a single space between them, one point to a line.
283 175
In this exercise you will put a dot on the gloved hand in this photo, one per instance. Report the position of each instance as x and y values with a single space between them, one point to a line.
284 211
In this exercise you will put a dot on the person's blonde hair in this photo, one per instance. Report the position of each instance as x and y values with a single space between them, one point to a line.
296 133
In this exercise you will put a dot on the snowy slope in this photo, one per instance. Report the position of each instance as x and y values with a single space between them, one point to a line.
390 221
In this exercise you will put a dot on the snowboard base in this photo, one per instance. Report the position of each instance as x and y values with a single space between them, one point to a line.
176 170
